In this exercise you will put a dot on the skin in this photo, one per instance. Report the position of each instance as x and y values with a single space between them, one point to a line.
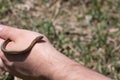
42 62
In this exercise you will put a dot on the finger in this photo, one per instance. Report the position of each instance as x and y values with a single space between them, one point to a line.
9 32
2 66
1 53
1 63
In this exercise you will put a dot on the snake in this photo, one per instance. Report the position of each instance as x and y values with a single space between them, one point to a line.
28 49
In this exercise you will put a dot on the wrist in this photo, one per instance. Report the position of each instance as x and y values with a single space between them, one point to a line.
65 71
58 66
53 64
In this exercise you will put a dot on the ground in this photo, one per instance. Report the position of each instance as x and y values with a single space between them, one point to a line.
87 31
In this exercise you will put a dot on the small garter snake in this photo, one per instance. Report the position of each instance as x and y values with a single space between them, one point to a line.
3 47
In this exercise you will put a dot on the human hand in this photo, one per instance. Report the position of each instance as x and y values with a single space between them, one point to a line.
30 65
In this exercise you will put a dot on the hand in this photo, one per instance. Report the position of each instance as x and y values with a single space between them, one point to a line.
25 66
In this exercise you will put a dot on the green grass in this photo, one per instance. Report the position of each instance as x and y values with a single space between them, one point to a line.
95 44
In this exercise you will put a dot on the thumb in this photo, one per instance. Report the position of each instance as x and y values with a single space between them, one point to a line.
8 32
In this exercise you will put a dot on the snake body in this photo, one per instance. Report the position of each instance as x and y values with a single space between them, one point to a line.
3 47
